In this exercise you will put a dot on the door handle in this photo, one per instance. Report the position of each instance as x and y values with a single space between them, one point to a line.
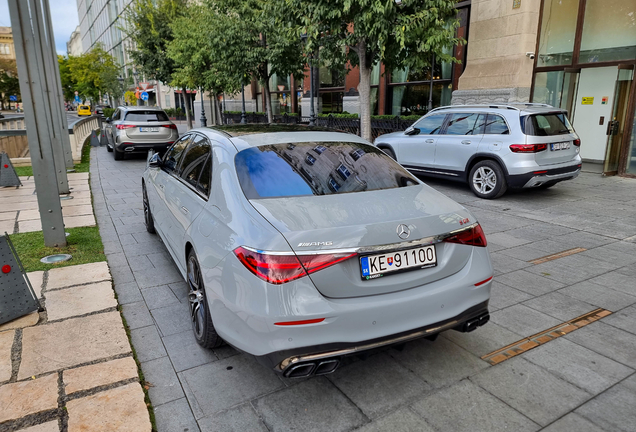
466 142
184 210
430 141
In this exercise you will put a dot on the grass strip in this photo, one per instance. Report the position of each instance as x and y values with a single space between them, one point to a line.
83 243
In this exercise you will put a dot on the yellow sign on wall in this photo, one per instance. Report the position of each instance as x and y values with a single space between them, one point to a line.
587 101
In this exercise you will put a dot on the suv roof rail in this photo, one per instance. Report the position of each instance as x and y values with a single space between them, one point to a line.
510 106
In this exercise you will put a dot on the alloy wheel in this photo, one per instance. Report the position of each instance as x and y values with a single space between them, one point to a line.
196 297
484 180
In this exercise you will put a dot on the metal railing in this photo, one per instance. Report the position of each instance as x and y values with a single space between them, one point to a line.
13 137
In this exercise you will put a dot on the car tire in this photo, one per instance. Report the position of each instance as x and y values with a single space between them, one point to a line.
389 152
487 180
148 219
118 155
202 325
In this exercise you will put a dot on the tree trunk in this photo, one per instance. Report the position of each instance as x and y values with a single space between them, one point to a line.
186 103
268 102
364 89
218 108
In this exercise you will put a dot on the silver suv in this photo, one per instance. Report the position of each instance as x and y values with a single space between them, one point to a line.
492 147
137 129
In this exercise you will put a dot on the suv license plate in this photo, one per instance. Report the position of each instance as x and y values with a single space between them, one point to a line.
560 146
148 129
375 266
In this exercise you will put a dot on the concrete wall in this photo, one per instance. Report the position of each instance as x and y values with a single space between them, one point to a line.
497 68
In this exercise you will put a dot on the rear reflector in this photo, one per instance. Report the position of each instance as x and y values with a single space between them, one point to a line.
309 321
528 148
484 281
472 237
540 172
279 269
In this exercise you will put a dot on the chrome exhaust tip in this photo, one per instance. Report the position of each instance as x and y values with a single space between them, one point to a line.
129 149
300 371
327 367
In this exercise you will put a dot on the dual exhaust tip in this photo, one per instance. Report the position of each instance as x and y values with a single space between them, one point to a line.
472 324
303 370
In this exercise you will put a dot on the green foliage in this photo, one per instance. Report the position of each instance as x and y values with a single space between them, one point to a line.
339 115
149 26
24 171
130 98
84 243
9 85
92 74
108 112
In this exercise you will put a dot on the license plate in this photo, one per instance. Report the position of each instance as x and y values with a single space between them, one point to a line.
375 266
560 146
148 129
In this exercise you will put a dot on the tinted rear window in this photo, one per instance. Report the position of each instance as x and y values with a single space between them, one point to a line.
546 124
325 168
146 116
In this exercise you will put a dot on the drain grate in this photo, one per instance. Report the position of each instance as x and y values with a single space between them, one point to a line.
558 255
545 336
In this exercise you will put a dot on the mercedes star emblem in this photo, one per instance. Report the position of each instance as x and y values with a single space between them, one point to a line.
403 231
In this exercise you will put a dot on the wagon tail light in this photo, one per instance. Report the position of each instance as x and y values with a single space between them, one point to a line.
528 148
279 269
125 126
473 237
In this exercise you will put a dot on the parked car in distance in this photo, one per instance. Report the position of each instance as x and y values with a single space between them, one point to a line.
492 147
84 110
283 264
137 129
99 109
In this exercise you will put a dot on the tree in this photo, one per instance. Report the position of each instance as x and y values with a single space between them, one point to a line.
68 84
249 41
194 51
400 34
92 74
9 86
149 26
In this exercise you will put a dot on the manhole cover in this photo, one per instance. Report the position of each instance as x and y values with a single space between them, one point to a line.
53 259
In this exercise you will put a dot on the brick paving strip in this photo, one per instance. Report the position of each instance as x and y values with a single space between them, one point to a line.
69 368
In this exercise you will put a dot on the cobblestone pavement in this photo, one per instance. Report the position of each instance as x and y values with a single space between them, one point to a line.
582 381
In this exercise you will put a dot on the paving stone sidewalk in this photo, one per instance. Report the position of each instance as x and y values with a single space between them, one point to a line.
19 210
583 381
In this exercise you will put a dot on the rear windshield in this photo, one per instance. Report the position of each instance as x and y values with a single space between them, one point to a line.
146 116
546 124
317 168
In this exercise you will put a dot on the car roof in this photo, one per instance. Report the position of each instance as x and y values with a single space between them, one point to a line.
521 108
252 135
140 108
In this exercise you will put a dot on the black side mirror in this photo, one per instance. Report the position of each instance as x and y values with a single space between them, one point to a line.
108 120
155 161
411 131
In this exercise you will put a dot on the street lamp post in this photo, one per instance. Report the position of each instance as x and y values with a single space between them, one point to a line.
121 83
203 119
243 121
135 75
312 113
430 85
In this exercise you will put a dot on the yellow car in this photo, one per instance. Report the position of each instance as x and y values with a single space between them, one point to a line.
83 110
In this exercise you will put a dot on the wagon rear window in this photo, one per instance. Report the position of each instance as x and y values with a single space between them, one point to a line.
311 168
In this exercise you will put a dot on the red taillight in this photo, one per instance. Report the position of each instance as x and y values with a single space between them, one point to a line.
170 126
528 148
303 322
473 237
125 126
577 142
484 281
279 269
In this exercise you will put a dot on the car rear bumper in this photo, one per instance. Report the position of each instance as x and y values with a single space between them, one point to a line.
542 176
354 324
133 147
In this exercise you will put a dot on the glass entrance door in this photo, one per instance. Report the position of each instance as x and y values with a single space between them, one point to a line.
616 125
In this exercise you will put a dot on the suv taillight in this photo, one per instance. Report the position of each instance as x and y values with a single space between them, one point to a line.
528 148
280 269
472 237
170 126
125 126
577 142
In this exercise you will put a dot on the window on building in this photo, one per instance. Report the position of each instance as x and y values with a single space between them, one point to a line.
558 27
609 31
167 104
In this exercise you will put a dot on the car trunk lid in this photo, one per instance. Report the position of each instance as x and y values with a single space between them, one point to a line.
553 129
